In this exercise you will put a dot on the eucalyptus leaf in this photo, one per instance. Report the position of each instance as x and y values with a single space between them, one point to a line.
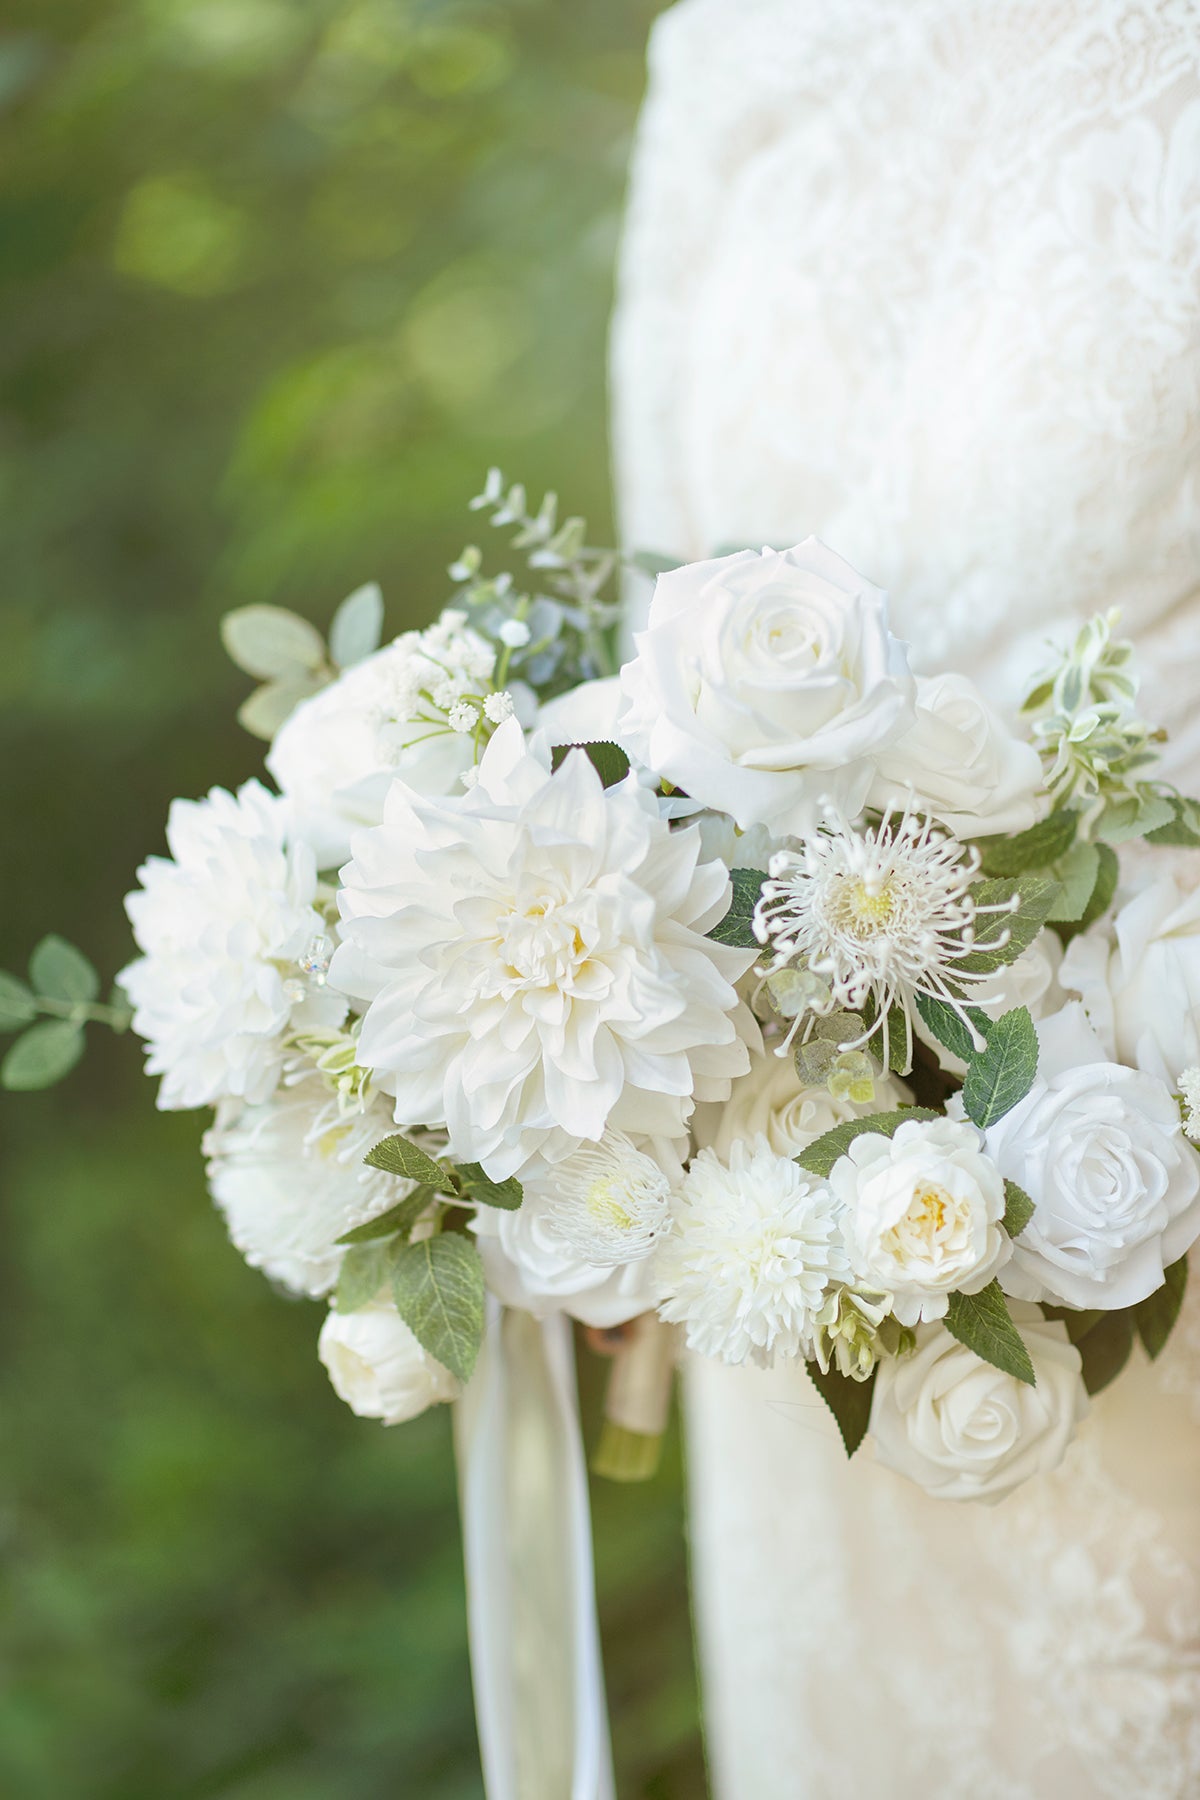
737 927
848 1401
478 1185
365 1270
272 643
819 1156
1003 1073
1018 1209
438 1289
400 1157
269 707
357 626
17 1004
59 971
1157 1315
1043 844
1077 873
984 1324
42 1055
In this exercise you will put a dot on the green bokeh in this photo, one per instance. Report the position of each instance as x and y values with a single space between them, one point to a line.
279 279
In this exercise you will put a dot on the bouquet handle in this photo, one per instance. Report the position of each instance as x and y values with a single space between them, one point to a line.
527 1549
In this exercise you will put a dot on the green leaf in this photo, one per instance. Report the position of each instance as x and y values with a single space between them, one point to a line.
609 760
737 927
59 971
848 1401
819 1157
1018 1210
1036 896
400 1157
654 562
480 1186
948 1028
398 1220
1078 1323
1004 1072
272 643
1156 1316
1136 817
357 626
983 1323
17 1004
269 707
1184 828
438 1288
42 1055
1076 872
1105 1349
1037 848
365 1270
1107 876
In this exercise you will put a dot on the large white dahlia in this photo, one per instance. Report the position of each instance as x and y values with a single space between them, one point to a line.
226 925
533 959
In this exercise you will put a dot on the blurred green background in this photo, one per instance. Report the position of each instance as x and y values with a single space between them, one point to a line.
280 278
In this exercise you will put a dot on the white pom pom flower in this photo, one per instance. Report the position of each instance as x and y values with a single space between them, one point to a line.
228 928
534 962
755 1248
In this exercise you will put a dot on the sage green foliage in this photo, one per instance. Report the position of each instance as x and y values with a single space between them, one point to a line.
437 1285
280 281
62 983
1018 1209
609 760
849 1402
819 1156
1105 1340
1003 1073
737 927
984 1324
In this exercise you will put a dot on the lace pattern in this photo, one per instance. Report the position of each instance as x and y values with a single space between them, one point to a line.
923 276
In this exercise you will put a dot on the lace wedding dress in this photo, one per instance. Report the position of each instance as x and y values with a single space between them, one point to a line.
923 277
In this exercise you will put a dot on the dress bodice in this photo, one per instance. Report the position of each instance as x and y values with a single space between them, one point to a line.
923 277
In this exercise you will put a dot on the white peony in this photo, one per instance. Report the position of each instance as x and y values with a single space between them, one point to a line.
771 1101
964 1430
336 756
377 1366
1140 980
1099 1149
223 925
962 763
755 1249
582 1239
289 1177
922 1214
534 961
765 683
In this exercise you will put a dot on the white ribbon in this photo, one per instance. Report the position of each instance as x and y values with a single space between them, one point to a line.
527 1547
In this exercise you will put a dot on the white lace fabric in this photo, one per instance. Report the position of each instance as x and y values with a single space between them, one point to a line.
923 277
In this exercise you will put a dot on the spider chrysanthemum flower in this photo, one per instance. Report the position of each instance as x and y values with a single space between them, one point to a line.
880 915
755 1247
611 1203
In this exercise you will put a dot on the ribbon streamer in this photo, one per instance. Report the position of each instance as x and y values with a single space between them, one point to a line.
527 1547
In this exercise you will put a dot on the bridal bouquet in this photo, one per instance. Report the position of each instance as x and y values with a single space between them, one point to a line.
764 992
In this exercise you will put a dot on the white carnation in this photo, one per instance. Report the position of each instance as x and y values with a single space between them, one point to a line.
534 961
289 1177
922 1214
962 763
755 1249
964 1430
224 924
1099 1149
765 684
377 1366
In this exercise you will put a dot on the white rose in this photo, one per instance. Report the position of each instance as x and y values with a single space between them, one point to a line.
772 1102
1140 980
964 1430
765 683
923 1212
962 763
377 1366
1100 1151
334 759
